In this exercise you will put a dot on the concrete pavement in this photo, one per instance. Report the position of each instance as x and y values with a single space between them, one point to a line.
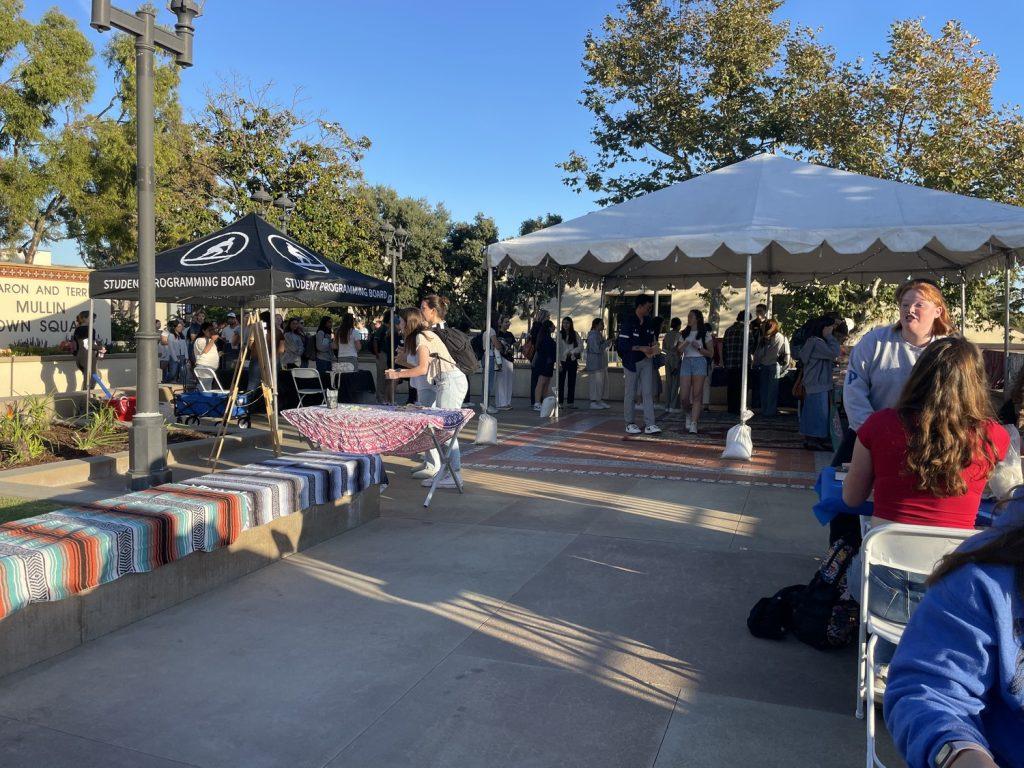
538 620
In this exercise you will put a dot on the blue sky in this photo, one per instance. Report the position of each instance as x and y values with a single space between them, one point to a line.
472 103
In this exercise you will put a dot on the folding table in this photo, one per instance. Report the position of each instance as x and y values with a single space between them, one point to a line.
384 429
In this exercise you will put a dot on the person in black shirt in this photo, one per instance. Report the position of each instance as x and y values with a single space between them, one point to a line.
637 346
84 348
535 333
544 361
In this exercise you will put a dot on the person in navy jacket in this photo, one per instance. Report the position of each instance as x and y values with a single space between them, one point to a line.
637 344
955 692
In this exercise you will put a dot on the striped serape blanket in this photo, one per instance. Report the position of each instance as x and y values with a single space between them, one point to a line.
55 555
49 558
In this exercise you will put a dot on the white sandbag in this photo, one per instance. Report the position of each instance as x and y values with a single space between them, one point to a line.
486 430
738 443
547 407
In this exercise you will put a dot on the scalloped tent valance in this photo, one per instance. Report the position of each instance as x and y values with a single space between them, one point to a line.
798 221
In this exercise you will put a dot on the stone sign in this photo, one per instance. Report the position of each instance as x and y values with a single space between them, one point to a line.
38 304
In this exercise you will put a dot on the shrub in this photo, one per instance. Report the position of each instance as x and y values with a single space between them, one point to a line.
23 427
99 431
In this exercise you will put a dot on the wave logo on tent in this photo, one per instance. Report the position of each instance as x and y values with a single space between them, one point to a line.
224 246
296 254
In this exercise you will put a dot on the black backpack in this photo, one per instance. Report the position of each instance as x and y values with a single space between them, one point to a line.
460 349
816 613
822 617
478 345
771 617
309 347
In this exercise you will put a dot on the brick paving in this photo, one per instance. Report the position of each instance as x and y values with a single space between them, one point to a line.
594 444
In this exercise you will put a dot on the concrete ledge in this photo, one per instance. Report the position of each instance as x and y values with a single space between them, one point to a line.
43 630
73 471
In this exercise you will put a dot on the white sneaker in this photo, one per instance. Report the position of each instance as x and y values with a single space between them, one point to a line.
596 407
692 428
652 429
536 406
632 429
491 409
445 482
604 405
424 474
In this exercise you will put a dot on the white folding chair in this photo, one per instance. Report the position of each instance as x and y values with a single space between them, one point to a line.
207 379
302 377
913 548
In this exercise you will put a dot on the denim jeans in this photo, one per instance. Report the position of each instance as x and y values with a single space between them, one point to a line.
426 397
894 594
769 389
451 390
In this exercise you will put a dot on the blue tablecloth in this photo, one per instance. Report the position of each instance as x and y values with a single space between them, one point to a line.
830 501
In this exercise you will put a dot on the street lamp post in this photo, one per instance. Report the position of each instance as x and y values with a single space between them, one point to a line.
394 241
147 441
286 206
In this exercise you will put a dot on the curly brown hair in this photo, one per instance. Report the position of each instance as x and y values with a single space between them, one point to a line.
945 410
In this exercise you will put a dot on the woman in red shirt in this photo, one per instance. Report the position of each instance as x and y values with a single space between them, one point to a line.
928 459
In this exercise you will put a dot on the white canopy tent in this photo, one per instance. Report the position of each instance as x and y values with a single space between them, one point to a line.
771 218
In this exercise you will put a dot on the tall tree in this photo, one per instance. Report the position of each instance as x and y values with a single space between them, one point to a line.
464 280
46 79
423 257
247 139
102 214
680 88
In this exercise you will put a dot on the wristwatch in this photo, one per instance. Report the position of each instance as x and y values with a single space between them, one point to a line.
951 750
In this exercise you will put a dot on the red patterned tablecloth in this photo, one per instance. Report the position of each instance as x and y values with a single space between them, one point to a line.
388 429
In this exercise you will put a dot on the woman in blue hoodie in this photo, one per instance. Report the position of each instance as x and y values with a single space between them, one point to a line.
955 693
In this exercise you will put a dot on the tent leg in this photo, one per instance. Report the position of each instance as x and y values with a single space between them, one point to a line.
963 305
1006 326
746 343
558 349
487 334
272 338
600 314
768 301
88 358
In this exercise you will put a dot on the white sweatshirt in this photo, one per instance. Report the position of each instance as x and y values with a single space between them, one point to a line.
880 365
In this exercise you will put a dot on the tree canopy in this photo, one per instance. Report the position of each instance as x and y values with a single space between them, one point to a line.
677 89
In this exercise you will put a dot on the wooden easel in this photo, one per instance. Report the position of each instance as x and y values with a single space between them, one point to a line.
252 329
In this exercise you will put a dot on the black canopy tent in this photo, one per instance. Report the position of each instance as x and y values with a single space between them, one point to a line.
248 263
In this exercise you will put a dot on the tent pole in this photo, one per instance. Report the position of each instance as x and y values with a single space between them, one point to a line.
963 304
600 313
88 360
558 347
768 302
1006 325
746 342
272 341
487 333
394 302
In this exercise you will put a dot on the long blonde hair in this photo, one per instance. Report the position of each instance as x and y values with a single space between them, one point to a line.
945 409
